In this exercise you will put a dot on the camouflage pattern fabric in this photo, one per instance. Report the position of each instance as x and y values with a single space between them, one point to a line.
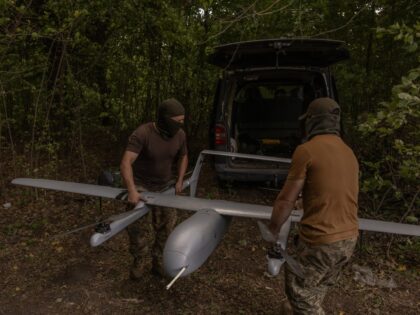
147 239
322 265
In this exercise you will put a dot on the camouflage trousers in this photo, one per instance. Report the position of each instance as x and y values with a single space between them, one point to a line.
147 239
322 265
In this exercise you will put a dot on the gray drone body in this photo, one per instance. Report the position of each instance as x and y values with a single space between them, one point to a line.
192 242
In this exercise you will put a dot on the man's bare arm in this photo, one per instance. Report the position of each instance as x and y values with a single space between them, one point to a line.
182 168
127 175
284 204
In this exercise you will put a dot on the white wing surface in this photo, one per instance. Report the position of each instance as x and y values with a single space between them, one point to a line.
77 188
247 210
230 208
389 227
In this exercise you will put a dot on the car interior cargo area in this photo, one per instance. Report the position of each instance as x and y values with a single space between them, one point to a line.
264 112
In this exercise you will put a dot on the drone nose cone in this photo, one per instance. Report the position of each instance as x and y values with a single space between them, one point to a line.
173 262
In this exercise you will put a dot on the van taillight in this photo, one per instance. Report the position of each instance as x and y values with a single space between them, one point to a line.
220 134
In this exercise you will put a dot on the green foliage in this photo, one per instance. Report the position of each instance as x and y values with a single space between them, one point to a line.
391 150
76 77
408 35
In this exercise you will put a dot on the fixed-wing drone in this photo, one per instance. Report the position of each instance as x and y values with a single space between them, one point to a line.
193 241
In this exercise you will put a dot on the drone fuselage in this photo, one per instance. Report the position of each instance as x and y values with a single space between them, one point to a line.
193 241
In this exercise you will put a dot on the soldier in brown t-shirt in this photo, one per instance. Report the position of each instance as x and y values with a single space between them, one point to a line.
147 165
326 171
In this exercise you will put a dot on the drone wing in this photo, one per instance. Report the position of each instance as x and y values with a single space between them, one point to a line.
246 210
229 208
77 188
389 227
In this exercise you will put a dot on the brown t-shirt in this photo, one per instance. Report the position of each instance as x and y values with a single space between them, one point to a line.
153 166
331 189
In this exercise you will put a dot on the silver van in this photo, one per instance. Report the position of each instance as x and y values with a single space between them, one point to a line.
265 86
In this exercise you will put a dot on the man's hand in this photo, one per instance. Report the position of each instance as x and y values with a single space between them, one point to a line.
134 197
127 174
266 233
178 187
299 204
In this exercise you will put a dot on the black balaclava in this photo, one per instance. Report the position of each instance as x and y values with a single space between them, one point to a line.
322 117
169 108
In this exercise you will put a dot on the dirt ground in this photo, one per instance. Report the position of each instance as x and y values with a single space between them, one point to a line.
40 274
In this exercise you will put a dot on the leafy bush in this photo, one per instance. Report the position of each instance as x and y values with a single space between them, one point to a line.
390 152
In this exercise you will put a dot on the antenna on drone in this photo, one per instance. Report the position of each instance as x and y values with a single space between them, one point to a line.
176 278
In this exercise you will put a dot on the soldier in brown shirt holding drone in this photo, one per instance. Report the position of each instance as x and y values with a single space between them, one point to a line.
147 165
326 171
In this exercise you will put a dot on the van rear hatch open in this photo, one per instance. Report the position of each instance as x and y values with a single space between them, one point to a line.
266 86
279 53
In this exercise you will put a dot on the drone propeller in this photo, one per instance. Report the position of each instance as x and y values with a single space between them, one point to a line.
278 249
